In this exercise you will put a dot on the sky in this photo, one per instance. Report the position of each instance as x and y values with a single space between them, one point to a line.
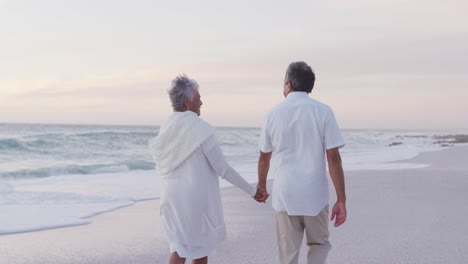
399 64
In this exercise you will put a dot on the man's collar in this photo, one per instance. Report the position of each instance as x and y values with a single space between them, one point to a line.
297 95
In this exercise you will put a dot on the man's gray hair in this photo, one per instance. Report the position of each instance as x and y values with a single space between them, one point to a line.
301 76
182 86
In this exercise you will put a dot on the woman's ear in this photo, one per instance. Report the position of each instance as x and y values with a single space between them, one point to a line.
187 103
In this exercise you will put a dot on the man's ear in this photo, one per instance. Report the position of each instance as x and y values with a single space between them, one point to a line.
288 86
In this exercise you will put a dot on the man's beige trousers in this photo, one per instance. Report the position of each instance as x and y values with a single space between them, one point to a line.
290 232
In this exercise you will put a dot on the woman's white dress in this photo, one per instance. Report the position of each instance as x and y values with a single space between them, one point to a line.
191 208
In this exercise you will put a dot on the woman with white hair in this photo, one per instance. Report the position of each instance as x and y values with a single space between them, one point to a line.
189 160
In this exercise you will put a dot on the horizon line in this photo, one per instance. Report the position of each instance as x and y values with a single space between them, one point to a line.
248 127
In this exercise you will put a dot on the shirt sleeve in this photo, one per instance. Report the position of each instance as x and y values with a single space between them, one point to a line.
332 134
265 141
217 161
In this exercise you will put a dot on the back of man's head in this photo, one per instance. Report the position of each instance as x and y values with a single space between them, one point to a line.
300 76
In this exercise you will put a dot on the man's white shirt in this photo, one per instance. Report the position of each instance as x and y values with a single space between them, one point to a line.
299 131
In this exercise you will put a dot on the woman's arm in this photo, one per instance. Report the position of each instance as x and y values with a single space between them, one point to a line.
217 161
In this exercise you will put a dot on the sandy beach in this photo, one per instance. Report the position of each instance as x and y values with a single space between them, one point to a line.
395 216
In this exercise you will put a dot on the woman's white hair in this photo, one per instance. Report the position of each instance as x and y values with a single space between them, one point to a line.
182 86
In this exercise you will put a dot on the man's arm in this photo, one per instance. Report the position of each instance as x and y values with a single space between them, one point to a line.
336 173
263 167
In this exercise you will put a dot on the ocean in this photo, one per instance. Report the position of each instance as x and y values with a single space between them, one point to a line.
60 175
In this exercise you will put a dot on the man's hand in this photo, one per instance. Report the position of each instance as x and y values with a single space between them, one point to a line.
338 212
263 167
336 173
262 195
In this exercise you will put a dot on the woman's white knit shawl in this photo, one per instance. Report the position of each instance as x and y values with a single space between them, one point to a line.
178 138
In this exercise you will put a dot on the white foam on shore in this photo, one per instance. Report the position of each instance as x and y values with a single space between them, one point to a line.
62 201
67 200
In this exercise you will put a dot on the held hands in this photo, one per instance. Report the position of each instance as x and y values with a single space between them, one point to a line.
338 213
262 195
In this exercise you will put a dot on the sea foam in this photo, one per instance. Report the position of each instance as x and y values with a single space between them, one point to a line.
59 175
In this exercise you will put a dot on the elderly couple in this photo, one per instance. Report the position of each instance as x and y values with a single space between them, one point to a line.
299 135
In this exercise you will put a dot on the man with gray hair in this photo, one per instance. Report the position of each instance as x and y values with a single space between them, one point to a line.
297 136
